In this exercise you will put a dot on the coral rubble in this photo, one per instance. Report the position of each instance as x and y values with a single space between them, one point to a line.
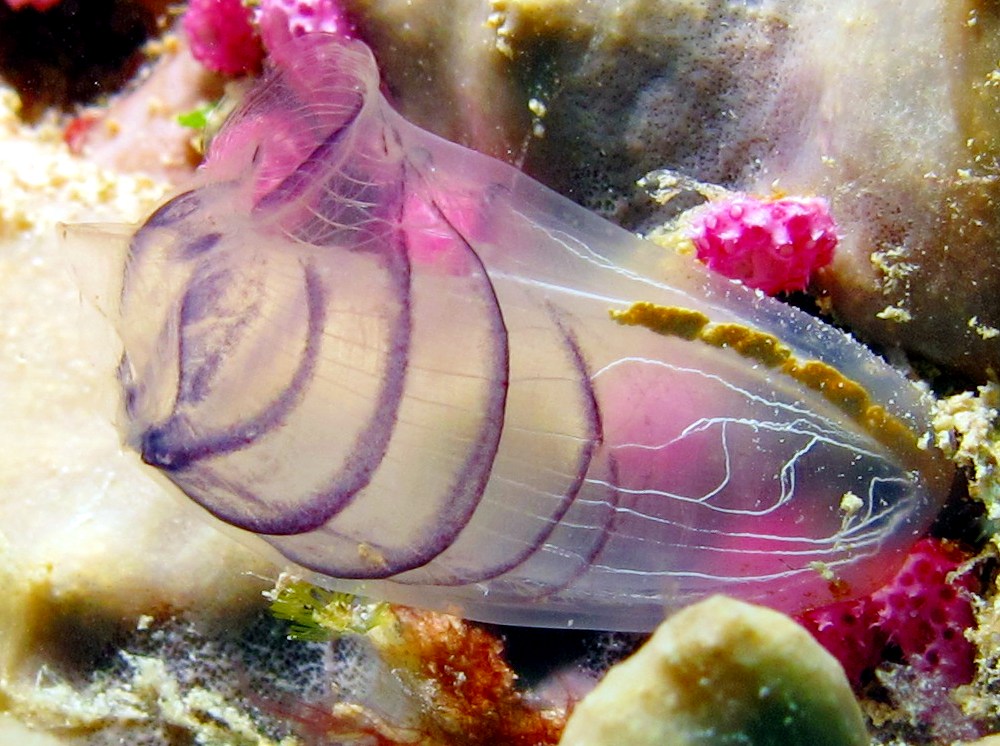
88 541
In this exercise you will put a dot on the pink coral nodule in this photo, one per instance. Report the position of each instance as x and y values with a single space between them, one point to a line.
231 37
922 614
771 244
39 5
222 36
310 16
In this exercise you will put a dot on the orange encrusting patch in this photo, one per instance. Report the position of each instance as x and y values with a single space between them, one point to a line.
472 699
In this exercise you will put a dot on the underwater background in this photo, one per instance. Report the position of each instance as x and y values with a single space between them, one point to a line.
838 156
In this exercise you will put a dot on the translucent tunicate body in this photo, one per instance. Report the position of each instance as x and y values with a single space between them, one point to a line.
422 376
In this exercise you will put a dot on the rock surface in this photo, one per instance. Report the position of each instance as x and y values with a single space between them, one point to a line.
722 672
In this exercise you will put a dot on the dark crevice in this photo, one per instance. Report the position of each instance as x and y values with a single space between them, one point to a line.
74 53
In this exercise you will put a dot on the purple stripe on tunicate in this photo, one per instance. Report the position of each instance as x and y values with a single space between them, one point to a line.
590 554
373 441
470 482
195 386
200 245
593 438
124 372
310 171
370 446
201 298
165 446
178 208
199 303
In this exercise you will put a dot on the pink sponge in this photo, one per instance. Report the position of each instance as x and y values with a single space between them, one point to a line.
309 16
222 36
926 616
771 244
228 37
920 613
850 632
36 4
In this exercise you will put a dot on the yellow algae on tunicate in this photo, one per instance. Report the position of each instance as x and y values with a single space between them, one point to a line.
750 343
846 394
685 323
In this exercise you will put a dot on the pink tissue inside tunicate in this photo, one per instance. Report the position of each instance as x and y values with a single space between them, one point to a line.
432 238
272 142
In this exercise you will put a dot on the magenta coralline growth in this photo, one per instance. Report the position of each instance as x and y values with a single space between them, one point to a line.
222 36
309 16
771 244
230 38
41 5
920 616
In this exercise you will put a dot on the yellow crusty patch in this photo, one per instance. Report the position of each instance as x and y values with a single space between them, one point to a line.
750 343
670 320
689 324
847 395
